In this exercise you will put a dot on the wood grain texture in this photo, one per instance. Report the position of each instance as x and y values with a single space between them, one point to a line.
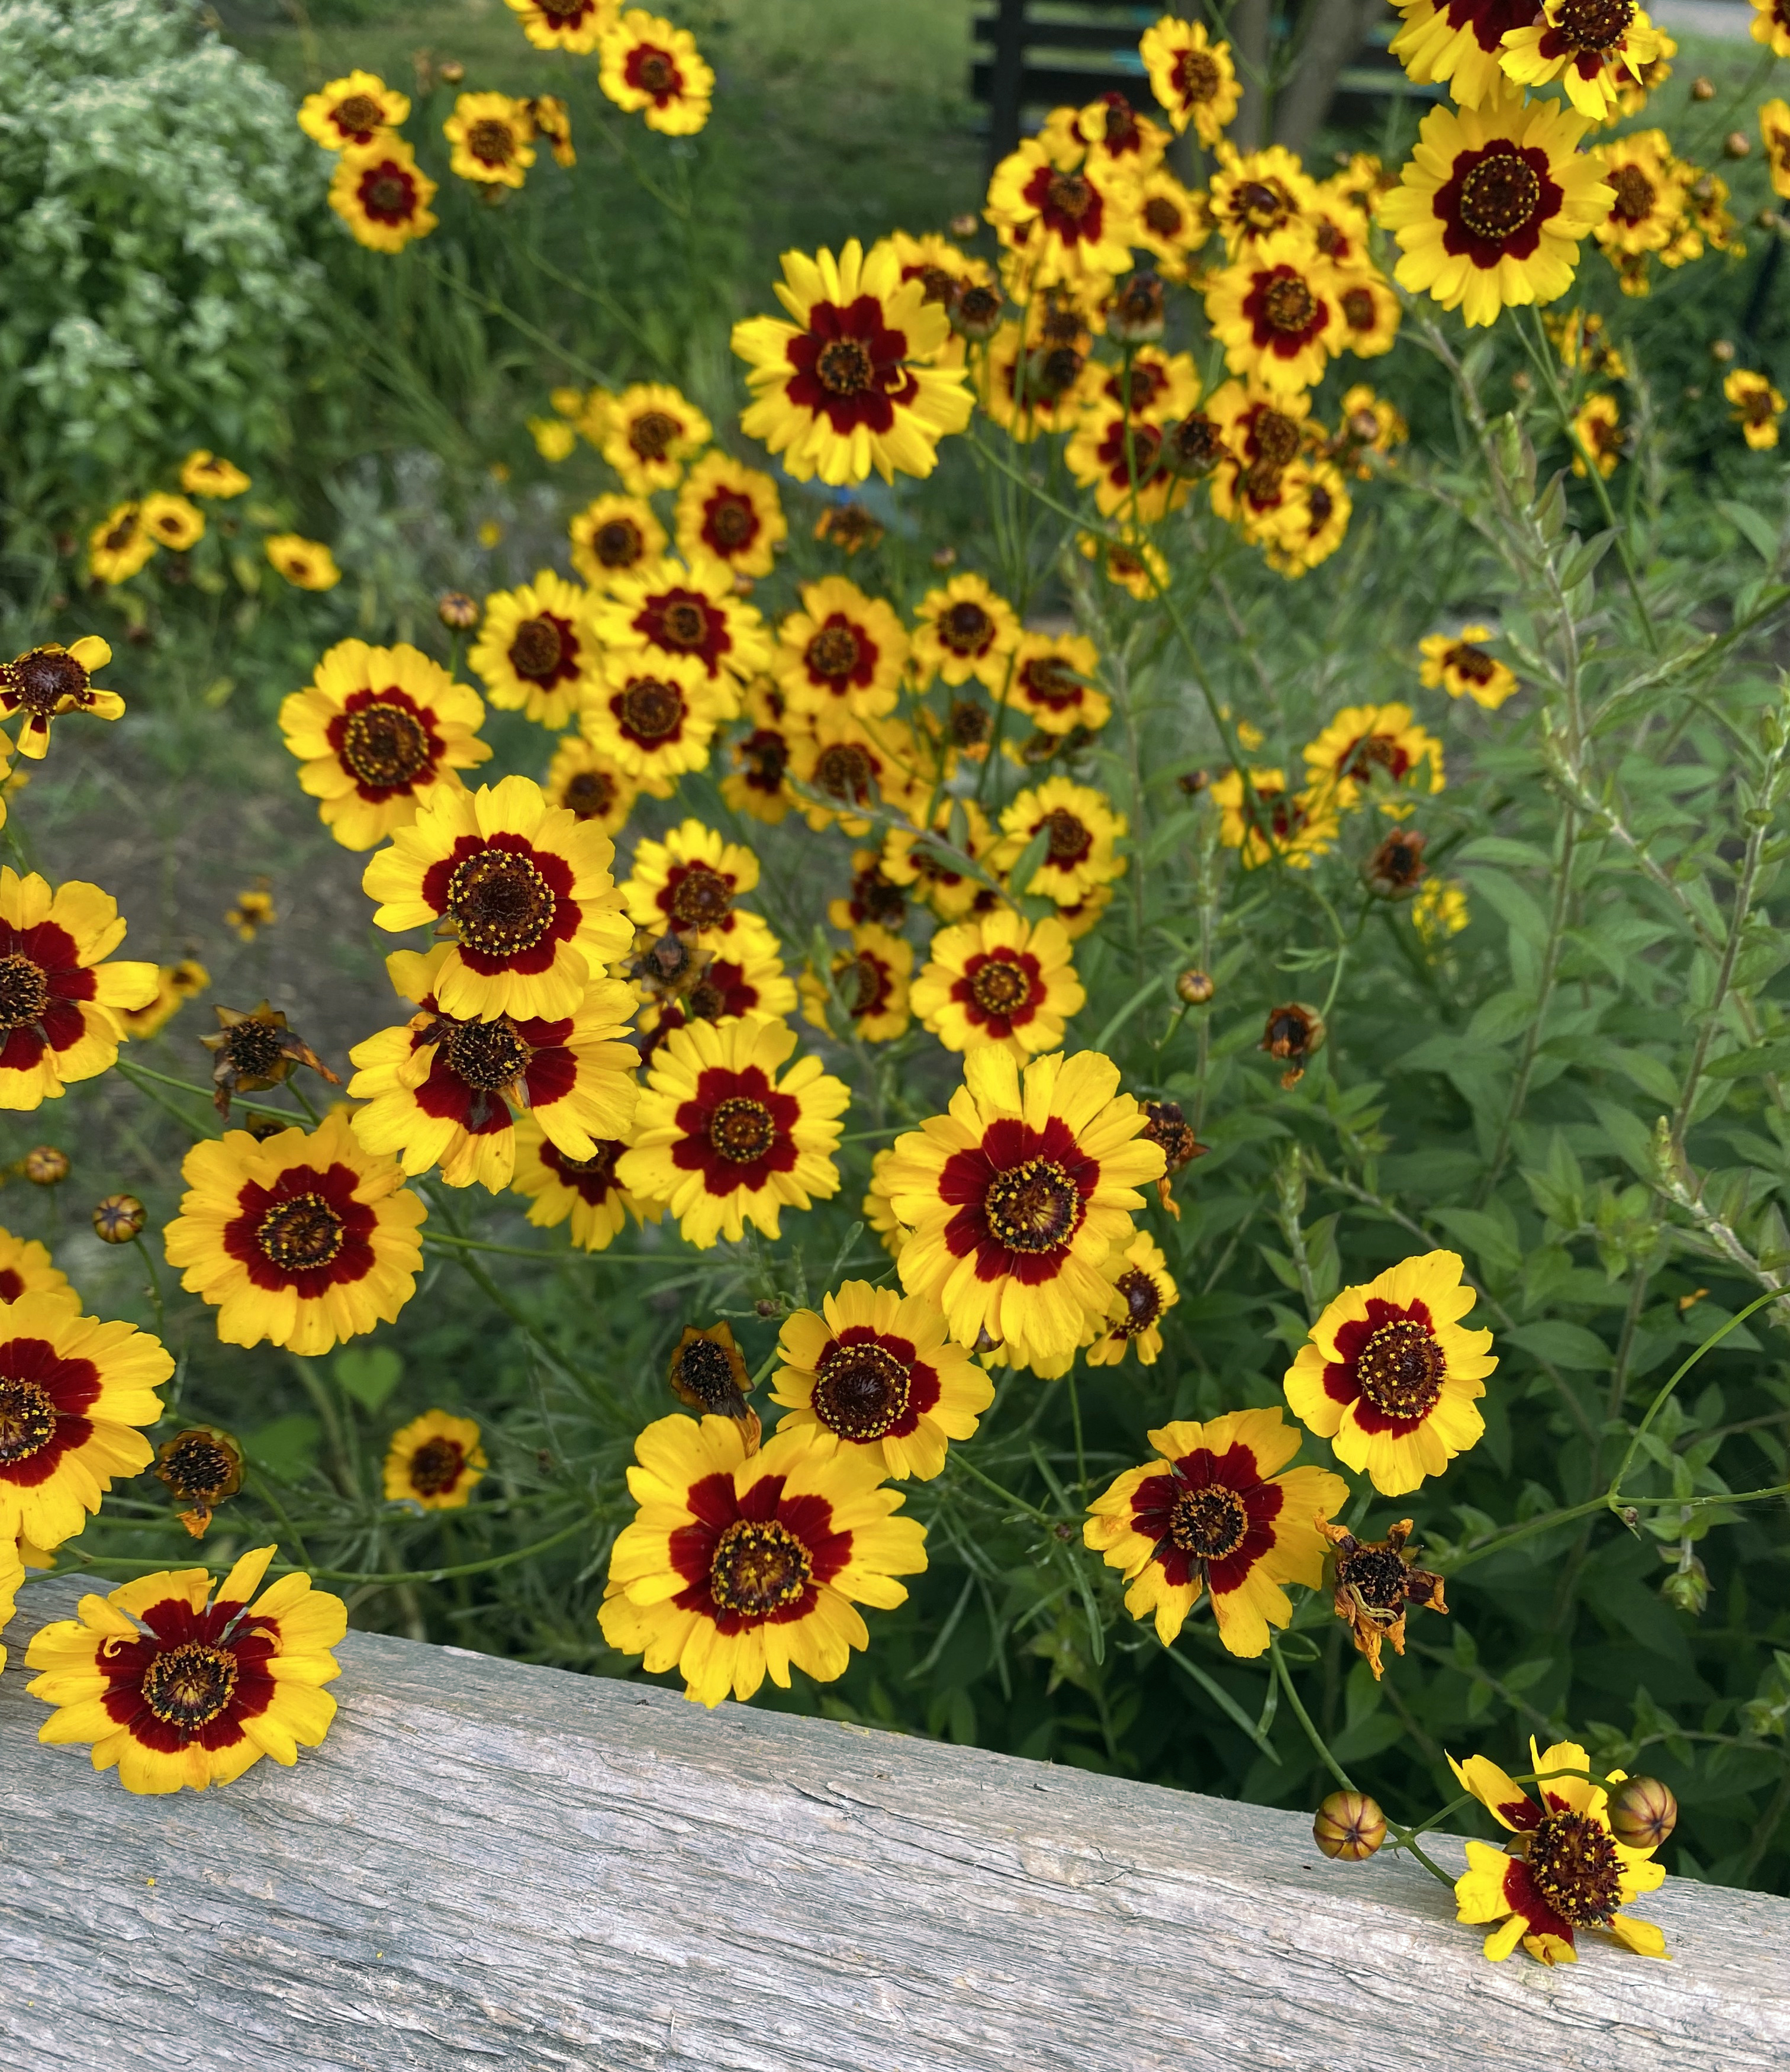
493 1865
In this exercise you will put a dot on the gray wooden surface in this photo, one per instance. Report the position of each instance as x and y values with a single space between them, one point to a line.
489 1865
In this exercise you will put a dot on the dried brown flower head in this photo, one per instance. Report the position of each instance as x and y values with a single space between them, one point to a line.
1169 1127
849 527
254 1051
202 1468
1294 1033
1396 867
709 1372
975 312
1376 1585
1135 314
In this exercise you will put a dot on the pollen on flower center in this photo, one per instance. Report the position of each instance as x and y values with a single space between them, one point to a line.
685 625
385 746
358 113
1499 196
437 1465
861 1390
1034 1207
1208 1523
27 1419
844 368
703 898
24 991
254 1048
1593 25
1000 986
741 1130
1401 1369
502 904
656 72
757 1569
1288 306
1575 1868
705 1369
1472 663
966 628
651 710
1277 438
653 434
844 770
493 141
833 652
1357 308
1069 195
197 1468
189 1686
304 1231
537 649
1196 75
1634 196
487 1054
43 679
1143 1300
1070 839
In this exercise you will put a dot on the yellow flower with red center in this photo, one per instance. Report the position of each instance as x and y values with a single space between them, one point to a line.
1459 44
440 1092
172 520
1072 218
1371 314
564 25
74 1393
435 1462
1156 385
870 980
1000 979
1143 1293
1110 133
1390 1378
1213 1515
537 652
1264 432
756 783
1757 407
650 432
1458 664
850 385
383 196
492 137
1258 195
45 682
1598 435
590 786
1120 459
653 70
963 630
1774 133
1265 820
1370 424
1172 223
612 536
723 1142
118 546
25 1269
352 110
1595 48
689 882
681 624
1493 205
1080 829
171 1687
842 652
1314 519
877 1370
730 512
944 273
1134 563
1365 742
654 729
1191 76
1014 1197
525 888
1648 185
175 986
857 766
301 1240
930 863
553 119
61 1000
738 1566
1567 1872
1030 386
12 1575
745 977
305 564
1053 683
1276 312
584 1191
377 733
1770 25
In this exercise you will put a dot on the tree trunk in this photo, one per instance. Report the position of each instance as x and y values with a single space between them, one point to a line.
1249 28
1333 31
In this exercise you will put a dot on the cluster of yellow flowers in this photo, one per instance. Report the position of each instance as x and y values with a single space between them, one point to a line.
132 532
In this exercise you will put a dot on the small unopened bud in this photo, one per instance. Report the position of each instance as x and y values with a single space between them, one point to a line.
965 224
1737 144
1703 89
1195 986
976 313
118 1218
451 72
1135 314
1349 1826
1721 351
1643 1813
457 610
769 1305
1193 782
494 197
46 1167
1520 382
944 558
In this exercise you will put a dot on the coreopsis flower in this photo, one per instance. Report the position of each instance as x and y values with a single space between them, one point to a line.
352 110
305 564
253 911
171 1687
1134 563
1566 1870
1120 459
206 473
553 119
730 512
1152 384
301 1240
435 1462
1081 830
725 1142
681 624
1369 314
118 546
1370 425
1166 1125
1595 48
925 865
383 195
1014 1197
1171 223
1029 389
843 651
1396 868
755 785
963 630
1439 912
1261 428
851 385
612 536
1458 664
377 733
1493 205
1774 133
26 1269
525 888
1276 313
1770 25
653 728
555 440
1000 979
1758 406
252 1052
60 999
74 1393
1648 186
564 25
171 521
1144 1292
1598 435
707 1373
537 651
1390 1378
1255 195
589 786
492 137
877 1370
650 432
46 682
1315 510
871 978
1376 1584
201 1468
690 882
738 1564
746 976
1213 1515
1191 76
1362 740
582 1190
944 271
1110 133
856 765
1459 44
1072 218
1266 822
649 69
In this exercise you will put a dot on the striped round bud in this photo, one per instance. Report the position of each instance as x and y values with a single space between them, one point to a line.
1643 1812
1349 1826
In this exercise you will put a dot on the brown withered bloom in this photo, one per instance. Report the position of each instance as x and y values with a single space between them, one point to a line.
1193 447
1294 1034
1135 313
709 1372
45 1166
202 1468
457 610
968 727
667 965
118 1218
1376 1585
975 312
848 527
1396 867
1168 1127
254 1051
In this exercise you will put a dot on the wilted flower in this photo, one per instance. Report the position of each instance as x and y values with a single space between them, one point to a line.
1376 1583
254 1051
202 1468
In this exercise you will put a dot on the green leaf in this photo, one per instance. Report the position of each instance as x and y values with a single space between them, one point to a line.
1562 1344
368 1374
1500 849
1586 559
1752 1064
1650 1073
1757 530
1019 879
1630 1137
1491 1238
286 1448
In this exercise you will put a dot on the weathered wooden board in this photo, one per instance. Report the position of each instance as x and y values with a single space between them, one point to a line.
493 1865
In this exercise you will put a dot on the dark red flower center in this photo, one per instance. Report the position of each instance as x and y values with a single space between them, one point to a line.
966 628
1209 1523
845 367
650 710
1472 663
1357 308
384 746
539 647
861 1389
492 141
359 115
701 898
192 1685
44 677
653 71
302 1232
1000 985
741 1130
683 624
437 1465
757 1568
1070 841
1498 196
653 434
1288 304
1593 25
486 1054
618 543
1196 77
24 991
1635 194
1034 1207
1573 1866
502 903
833 652
845 772
589 794
1401 1369
27 1419
731 522
388 193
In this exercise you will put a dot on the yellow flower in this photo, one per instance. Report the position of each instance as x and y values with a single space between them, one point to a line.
492 137
44 683
1758 406
201 1689
1770 25
435 1462
1439 912
871 978
653 69
1314 517
612 536
204 473
745 977
1029 386
118 546
1192 77
577 26
1370 425
25 1269
1370 314
377 733
172 520
1389 1376
689 882
650 430
737 1566
1632 91
1568 1872
554 438
60 999
1081 829
1774 131
723 1142
553 119
1276 312
1172 223
305 564
1492 205
353 110
1597 433
1134 563
1212 1514
589 786
929 865
1143 1293
842 652
537 650
849 386
878 1210
175 986
964 631
383 196
1112 137
1259 194
584 1190
1266 821
943 271
1120 459
732 513
876 1370
1593 51
253 912
1649 187
1074 218
654 729
999 979
1459 44
1455 662
1363 743
685 625
857 766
